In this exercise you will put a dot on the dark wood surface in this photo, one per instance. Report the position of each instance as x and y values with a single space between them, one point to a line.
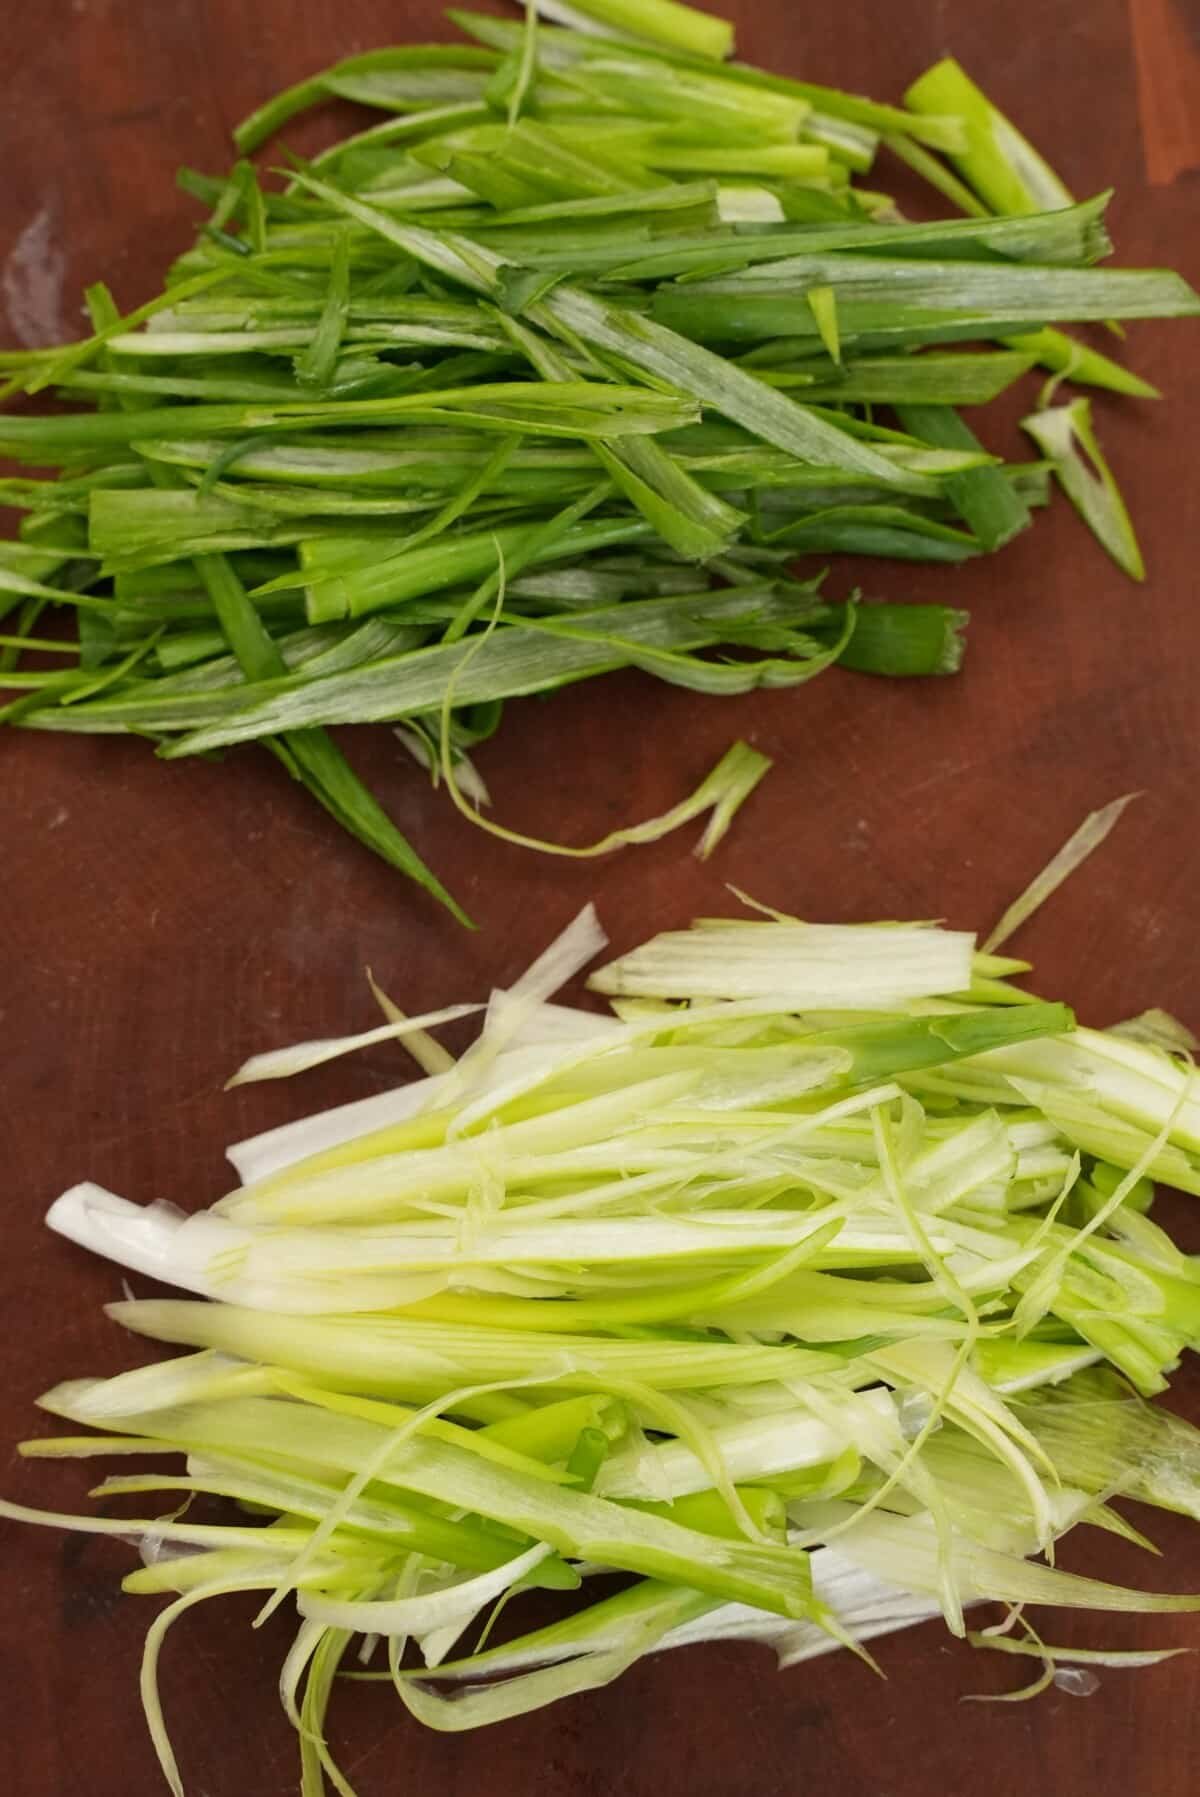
163 920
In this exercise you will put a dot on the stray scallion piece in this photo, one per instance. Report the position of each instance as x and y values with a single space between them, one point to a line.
1003 167
536 378
1066 437
814 1290
1091 834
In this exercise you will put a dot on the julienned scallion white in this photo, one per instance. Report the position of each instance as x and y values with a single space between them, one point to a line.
815 1287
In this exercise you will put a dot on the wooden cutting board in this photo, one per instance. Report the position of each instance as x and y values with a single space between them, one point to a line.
162 920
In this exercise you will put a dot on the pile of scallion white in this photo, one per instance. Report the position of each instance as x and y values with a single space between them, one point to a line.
814 1291
555 370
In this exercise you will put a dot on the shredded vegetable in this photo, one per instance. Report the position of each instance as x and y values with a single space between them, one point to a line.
814 1289
537 378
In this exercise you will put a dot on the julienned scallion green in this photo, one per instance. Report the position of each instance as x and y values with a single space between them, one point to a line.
815 1289
554 369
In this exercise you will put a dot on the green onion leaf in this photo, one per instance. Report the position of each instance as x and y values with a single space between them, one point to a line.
1066 437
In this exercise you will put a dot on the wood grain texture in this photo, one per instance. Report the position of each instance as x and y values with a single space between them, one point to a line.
1166 42
162 920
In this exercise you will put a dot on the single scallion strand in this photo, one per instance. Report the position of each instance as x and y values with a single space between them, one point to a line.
1066 437
1081 362
659 22
314 368
1092 832
1000 163
933 170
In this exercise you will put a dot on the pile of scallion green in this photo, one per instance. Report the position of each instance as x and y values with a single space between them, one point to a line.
554 371
814 1290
